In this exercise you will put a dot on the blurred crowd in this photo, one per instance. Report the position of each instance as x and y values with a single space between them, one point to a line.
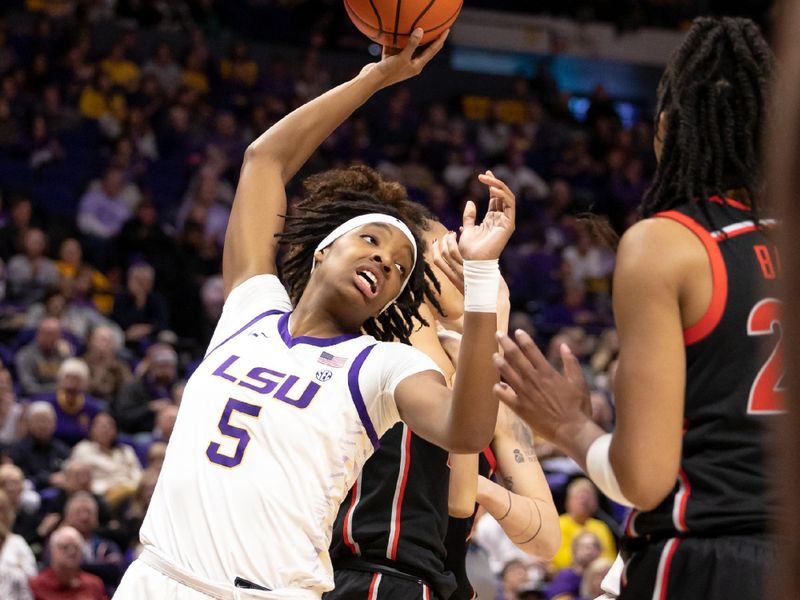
118 164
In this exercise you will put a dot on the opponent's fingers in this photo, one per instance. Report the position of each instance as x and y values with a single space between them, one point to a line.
452 253
489 179
506 395
432 50
508 373
531 351
513 355
572 368
470 214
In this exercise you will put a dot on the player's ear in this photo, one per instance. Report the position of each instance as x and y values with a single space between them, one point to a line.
319 256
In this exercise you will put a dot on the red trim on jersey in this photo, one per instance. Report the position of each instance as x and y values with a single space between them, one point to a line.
492 459
629 529
719 277
426 592
348 516
664 581
684 500
373 587
397 508
731 202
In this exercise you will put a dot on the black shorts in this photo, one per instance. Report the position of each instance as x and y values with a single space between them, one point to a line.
359 585
718 568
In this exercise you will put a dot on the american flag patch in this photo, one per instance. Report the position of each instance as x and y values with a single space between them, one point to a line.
337 362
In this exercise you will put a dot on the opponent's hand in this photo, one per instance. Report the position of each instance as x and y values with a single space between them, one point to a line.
396 66
487 240
554 404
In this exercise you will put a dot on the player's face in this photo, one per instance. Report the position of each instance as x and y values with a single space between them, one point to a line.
369 266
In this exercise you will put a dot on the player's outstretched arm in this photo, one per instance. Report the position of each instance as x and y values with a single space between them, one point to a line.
274 158
523 505
464 420
639 464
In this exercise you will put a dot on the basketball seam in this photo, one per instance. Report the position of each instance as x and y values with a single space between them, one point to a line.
366 23
422 14
443 24
380 30
377 16
396 20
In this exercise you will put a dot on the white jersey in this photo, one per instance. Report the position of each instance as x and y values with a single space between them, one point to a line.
271 434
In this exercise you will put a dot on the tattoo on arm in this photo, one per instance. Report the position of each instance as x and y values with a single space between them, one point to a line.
523 435
518 456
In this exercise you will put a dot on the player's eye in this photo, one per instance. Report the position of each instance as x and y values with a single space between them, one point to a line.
400 268
370 239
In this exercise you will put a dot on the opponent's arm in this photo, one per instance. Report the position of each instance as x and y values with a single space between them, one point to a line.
463 420
274 158
523 505
656 259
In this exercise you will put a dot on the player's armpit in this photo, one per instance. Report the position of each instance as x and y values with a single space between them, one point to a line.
650 381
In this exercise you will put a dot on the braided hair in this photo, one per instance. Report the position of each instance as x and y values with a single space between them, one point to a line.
334 197
713 94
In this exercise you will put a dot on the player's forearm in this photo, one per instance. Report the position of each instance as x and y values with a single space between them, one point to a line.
463 485
292 140
473 413
531 523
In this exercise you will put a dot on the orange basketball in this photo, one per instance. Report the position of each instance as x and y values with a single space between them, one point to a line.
390 22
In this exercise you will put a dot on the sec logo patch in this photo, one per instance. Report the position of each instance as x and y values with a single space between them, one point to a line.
324 376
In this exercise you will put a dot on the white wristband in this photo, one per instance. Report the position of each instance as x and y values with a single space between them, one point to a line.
600 471
481 284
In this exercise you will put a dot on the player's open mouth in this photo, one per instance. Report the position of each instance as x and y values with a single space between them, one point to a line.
367 282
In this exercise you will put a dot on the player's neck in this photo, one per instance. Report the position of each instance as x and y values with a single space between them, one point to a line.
311 319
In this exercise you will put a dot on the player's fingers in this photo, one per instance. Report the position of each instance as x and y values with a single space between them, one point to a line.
515 357
432 50
453 253
531 351
413 44
470 214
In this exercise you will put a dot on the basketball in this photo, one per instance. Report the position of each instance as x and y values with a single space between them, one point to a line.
390 22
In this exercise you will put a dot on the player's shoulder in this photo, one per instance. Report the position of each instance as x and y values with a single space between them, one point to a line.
658 246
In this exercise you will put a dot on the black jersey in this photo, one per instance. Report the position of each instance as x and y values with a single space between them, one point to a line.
733 383
396 513
459 532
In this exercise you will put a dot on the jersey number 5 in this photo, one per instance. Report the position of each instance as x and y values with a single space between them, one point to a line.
232 431
767 393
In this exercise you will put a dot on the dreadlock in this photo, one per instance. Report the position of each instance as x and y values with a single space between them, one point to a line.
334 197
713 94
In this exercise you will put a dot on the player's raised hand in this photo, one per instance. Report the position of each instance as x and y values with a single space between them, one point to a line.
485 241
552 403
447 257
399 65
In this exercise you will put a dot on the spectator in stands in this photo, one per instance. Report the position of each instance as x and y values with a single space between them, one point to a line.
140 310
74 407
31 274
11 422
195 74
141 400
593 579
141 134
43 146
526 183
38 362
122 71
75 476
103 210
101 102
70 264
513 578
39 454
115 469
17 562
107 371
132 511
71 304
163 67
203 207
64 577
566 584
227 139
101 556
12 234
581 505
588 265
155 456
24 501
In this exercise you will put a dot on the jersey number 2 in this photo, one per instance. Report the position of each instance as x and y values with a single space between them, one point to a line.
767 393
232 431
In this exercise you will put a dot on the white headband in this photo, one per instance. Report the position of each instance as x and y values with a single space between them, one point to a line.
368 219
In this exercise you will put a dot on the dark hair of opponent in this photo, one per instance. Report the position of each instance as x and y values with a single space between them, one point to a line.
714 96
334 197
